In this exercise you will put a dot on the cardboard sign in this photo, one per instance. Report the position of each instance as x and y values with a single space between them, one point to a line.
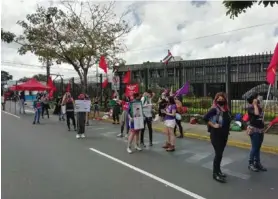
138 116
82 105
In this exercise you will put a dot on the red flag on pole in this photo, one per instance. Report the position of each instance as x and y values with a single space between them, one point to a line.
127 77
103 64
52 87
272 67
68 87
105 83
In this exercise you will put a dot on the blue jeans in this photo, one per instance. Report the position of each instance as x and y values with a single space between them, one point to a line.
37 115
256 142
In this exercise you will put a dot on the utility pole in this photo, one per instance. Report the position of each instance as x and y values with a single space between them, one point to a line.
47 70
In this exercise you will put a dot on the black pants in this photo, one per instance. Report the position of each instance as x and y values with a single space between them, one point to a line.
116 117
81 119
70 116
148 122
45 108
219 140
178 123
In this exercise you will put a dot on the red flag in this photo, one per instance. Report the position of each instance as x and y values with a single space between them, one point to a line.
127 77
103 64
52 87
167 58
272 67
105 83
68 87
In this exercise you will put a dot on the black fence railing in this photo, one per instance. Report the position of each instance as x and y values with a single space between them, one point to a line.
233 75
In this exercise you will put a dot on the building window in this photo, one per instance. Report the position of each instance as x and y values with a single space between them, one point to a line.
220 69
234 69
199 71
170 72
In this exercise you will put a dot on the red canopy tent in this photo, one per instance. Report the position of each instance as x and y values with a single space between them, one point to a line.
30 85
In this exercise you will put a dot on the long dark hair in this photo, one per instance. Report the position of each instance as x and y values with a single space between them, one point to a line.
171 100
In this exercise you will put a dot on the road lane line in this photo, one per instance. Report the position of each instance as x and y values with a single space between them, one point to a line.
176 187
11 114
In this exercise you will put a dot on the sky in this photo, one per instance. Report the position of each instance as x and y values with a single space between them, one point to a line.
184 27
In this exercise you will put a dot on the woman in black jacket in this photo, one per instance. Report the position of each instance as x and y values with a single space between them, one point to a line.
218 119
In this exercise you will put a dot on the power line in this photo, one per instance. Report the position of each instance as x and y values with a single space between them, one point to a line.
197 38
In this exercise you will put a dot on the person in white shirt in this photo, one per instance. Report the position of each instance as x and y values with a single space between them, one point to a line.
147 112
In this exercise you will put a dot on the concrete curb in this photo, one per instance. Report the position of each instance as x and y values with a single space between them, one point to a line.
234 143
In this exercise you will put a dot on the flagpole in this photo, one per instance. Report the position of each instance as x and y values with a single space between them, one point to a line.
268 92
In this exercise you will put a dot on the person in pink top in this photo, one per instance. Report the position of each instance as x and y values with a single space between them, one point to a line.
124 117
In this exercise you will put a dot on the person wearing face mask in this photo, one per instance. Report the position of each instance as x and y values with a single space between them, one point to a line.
218 119
147 112
69 103
255 131
81 120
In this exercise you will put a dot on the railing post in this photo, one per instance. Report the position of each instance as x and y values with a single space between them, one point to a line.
228 82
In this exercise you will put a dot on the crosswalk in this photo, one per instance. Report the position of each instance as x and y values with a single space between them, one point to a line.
193 152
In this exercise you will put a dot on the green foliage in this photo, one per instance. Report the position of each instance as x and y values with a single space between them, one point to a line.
39 77
72 37
5 76
235 8
7 36
204 102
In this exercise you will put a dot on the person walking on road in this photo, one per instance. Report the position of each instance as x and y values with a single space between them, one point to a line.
45 105
22 102
124 117
132 132
37 105
218 119
69 103
116 110
148 117
178 118
255 130
81 120
170 123
96 108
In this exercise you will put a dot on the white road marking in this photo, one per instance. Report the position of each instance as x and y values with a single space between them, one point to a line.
176 187
29 111
11 114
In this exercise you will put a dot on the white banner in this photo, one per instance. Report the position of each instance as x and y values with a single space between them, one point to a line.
82 105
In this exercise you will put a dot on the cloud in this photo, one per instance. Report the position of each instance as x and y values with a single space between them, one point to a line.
159 26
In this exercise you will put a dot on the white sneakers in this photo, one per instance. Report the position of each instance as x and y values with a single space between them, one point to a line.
136 147
80 136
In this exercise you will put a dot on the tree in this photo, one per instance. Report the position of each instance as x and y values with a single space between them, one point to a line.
39 77
73 37
5 76
235 8
7 36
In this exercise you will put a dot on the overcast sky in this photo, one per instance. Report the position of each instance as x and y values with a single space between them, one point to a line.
160 26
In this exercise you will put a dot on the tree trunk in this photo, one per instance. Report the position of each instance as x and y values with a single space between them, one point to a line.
85 81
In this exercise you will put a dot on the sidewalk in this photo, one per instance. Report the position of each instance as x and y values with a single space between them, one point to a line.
236 139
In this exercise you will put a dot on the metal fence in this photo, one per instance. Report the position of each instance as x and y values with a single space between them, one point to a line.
233 75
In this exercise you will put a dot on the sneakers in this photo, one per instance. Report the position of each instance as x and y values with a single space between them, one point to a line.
252 167
260 167
120 135
218 178
138 148
80 136
129 150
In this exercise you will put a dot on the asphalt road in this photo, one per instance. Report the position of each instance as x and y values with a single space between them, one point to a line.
47 162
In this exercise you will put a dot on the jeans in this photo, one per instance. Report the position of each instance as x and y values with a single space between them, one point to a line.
21 106
37 115
256 142
219 141
148 121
